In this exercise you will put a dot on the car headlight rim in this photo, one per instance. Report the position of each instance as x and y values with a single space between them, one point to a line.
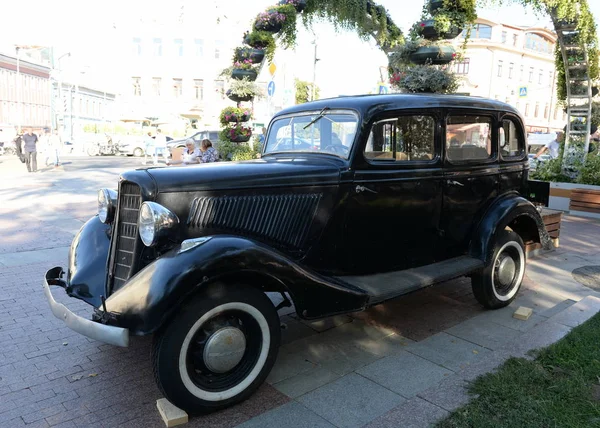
155 222
107 202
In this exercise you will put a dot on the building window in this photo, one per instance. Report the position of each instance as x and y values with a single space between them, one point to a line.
511 68
218 49
521 73
462 67
220 88
157 47
550 77
177 87
137 46
137 87
178 47
540 76
538 43
530 74
504 35
515 39
500 68
536 112
546 109
479 31
526 109
156 83
199 43
199 89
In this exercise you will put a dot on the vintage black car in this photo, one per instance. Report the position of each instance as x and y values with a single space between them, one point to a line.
355 201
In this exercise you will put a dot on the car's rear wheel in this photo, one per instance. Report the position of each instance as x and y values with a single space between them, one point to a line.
498 283
138 152
218 350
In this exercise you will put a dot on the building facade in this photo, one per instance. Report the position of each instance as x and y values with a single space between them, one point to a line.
514 65
24 93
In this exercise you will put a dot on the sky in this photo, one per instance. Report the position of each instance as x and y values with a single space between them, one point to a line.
347 64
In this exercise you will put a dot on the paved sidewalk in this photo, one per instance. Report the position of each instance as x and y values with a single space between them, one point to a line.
404 363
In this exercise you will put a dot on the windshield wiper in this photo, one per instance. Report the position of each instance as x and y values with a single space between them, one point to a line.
316 119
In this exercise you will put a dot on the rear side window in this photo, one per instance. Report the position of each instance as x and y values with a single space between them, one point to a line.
511 141
468 138
403 139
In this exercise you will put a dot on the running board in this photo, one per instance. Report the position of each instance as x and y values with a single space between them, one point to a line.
385 286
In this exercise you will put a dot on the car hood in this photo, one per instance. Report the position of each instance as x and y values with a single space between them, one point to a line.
267 172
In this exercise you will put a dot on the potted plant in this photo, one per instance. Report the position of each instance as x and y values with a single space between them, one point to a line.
428 30
424 79
235 114
300 5
242 90
435 55
261 40
237 133
270 20
287 32
254 55
244 69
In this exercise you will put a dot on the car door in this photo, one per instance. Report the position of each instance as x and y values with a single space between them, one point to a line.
395 200
470 175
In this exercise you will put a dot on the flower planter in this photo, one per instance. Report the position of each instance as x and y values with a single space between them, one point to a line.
300 5
241 139
436 55
272 27
434 5
235 118
238 98
239 74
427 31
254 55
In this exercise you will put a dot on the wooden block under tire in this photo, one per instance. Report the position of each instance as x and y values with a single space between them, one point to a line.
523 313
171 414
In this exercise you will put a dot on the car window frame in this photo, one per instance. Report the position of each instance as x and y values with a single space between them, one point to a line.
492 114
521 128
396 114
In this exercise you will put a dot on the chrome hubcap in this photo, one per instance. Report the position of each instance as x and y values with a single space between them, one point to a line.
506 270
224 349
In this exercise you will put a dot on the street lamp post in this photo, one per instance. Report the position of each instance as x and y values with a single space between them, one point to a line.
61 103
19 107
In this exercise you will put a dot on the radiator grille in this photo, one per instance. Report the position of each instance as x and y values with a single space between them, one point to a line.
281 219
130 199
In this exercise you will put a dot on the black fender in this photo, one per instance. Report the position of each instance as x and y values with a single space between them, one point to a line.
497 217
86 274
150 297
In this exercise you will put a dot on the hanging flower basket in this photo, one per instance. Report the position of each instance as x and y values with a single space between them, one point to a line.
241 139
271 21
235 115
237 133
436 55
300 5
239 74
427 31
238 98
254 55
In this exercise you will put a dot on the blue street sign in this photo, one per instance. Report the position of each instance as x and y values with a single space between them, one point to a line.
271 88
383 89
523 91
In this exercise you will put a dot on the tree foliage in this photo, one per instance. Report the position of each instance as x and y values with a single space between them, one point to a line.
304 91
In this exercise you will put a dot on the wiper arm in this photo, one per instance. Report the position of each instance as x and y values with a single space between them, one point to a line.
316 119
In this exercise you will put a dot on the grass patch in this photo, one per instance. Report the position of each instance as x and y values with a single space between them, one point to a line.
560 388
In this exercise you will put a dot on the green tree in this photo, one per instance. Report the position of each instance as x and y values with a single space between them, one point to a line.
304 91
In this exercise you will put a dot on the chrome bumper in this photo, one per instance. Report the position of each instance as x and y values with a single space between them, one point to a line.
104 333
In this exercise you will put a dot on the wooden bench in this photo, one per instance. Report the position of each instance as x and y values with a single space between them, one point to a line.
552 221
585 202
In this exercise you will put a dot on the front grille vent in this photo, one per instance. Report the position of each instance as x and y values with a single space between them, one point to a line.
281 219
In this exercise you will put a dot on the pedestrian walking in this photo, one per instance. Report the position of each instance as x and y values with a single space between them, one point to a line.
160 146
55 145
19 147
148 147
30 141
43 147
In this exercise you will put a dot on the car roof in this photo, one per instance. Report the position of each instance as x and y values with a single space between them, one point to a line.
368 105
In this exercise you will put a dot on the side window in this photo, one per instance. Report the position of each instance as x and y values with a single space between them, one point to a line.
468 138
407 138
511 140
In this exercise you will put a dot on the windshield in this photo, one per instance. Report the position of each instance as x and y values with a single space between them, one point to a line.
320 132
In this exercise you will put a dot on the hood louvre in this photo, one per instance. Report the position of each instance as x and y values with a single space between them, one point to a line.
282 219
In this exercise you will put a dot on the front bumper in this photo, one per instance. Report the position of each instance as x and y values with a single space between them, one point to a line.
104 333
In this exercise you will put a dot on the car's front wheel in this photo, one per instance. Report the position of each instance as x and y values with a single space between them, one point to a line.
218 350
498 283
138 152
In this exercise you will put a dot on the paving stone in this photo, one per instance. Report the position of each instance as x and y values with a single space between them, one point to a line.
305 382
404 373
415 413
289 364
448 351
450 394
327 323
487 334
541 336
292 414
558 308
387 345
504 317
294 330
350 401
579 313
484 365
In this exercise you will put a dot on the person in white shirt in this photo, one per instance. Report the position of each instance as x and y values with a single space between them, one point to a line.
191 154
160 146
552 147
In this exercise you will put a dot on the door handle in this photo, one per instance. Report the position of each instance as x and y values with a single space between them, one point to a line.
455 183
360 189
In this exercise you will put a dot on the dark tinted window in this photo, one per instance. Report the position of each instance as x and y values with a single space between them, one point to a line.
468 138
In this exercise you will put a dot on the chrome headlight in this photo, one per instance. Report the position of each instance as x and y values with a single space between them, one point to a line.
107 203
154 222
